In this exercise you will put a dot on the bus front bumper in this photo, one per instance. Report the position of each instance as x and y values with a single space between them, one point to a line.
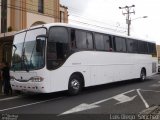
32 87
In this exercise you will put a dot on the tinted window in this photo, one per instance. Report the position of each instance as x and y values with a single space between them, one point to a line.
142 47
58 34
99 42
152 48
132 45
57 47
73 38
120 44
81 39
107 43
89 41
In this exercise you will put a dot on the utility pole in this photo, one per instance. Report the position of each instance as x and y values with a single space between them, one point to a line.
128 18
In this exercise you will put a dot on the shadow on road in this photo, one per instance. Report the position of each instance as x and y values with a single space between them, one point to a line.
115 85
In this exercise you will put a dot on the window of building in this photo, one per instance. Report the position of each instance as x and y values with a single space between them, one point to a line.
4 16
120 44
62 16
41 6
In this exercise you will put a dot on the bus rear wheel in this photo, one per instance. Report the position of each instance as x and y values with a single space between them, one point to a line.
143 75
75 85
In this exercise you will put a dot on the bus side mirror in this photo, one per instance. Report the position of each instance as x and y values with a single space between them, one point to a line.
15 46
38 45
40 40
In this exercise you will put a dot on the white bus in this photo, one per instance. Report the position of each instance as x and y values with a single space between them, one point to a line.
57 57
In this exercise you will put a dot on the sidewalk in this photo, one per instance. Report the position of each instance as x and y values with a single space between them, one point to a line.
13 92
152 113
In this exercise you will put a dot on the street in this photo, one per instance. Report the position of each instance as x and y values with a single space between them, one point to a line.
128 97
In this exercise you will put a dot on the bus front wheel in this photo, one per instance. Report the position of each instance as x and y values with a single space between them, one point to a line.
75 85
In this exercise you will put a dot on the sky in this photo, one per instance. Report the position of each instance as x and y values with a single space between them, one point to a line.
105 14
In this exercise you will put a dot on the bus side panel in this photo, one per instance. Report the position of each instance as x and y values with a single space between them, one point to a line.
60 78
100 68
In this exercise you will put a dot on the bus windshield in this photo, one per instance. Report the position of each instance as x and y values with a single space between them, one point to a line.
25 55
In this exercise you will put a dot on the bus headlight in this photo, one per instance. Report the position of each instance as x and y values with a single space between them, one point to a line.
12 78
36 79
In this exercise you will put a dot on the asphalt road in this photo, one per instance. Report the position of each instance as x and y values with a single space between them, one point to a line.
100 102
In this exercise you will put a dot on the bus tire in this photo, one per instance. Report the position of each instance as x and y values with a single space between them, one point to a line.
75 85
143 75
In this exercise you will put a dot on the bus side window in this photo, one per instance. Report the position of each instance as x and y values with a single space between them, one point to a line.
111 44
73 38
120 44
89 41
58 48
152 49
108 43
99 42
142 47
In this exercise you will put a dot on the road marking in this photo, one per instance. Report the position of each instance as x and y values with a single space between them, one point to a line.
84 106
155 85
111 97
11 98
29 104
150 91
79 108
123 98
144 101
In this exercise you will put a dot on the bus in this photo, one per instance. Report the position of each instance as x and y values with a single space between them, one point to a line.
58 57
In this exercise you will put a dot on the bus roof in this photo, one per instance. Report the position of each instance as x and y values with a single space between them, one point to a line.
88 28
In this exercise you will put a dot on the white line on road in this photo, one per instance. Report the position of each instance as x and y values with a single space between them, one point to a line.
29 104
84 106
150 91
11 98
110 98
144 101
123 98
155 85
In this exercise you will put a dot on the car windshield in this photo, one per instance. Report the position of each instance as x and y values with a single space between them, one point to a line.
25 56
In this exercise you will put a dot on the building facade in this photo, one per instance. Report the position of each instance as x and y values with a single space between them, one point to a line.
21 14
